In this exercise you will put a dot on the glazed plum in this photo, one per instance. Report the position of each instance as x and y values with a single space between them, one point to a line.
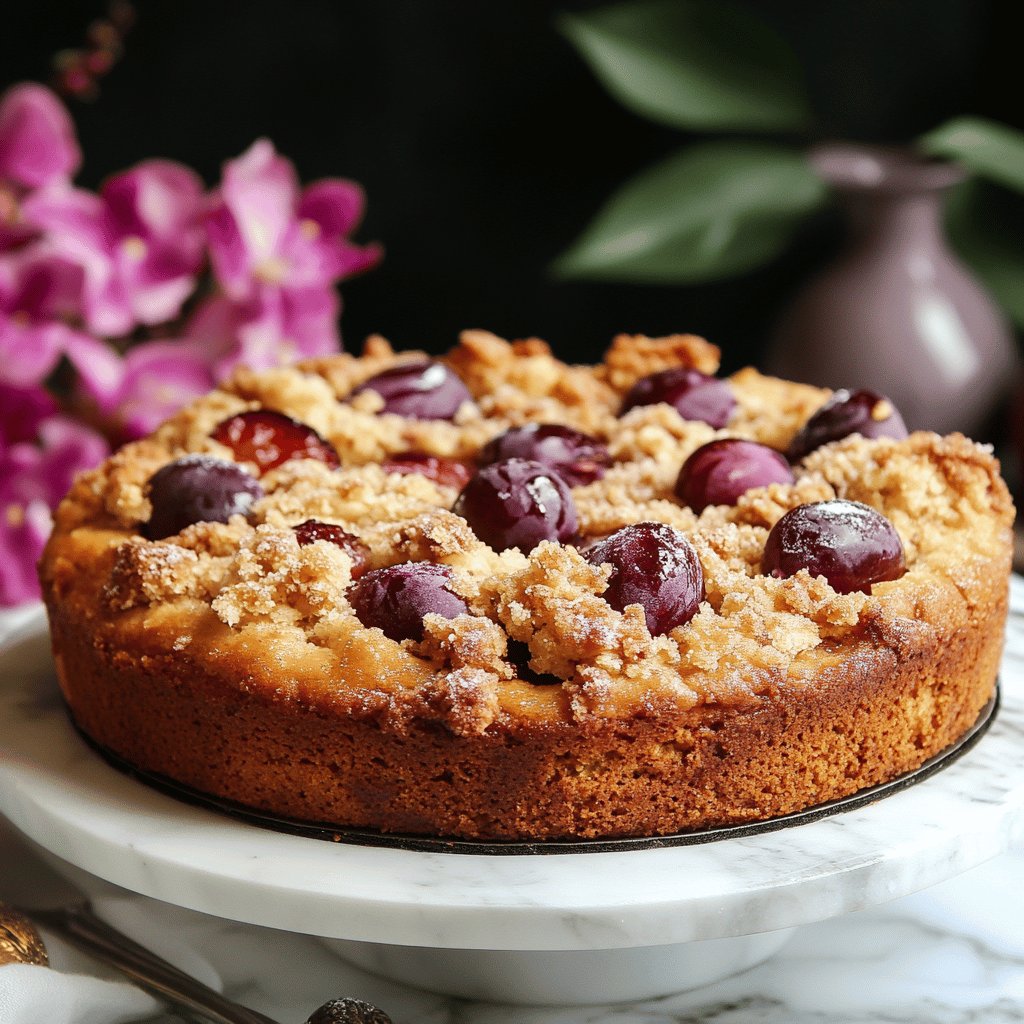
313 530
270 438
656 567
395 599
848 543
848 412
694 395
423 390
576 457
517 504
446 472
197 489
719 472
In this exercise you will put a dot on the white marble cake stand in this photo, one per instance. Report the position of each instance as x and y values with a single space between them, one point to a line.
555 928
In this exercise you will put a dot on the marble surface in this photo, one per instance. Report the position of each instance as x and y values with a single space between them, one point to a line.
952 954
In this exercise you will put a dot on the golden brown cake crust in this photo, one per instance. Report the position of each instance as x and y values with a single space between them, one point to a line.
228 657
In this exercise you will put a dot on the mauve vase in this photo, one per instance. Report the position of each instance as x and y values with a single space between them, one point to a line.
897 311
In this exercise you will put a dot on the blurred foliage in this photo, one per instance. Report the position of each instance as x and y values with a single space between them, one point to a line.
694 65
991 150
986 225
715 209
709 210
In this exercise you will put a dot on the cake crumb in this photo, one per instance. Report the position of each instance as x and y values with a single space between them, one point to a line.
467 641
632 356
275 579
465 699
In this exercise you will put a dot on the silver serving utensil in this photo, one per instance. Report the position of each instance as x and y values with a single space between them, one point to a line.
80 927
69 916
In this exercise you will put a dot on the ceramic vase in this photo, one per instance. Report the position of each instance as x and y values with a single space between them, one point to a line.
897 311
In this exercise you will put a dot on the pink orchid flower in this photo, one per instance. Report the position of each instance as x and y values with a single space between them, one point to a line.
277 252
33 478
34 296
152 382
274 328
265 231
22 410
38 293
37 148
139 242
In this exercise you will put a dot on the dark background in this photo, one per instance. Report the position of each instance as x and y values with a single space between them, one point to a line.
485 144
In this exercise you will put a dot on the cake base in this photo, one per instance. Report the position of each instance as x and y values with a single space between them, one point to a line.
879 711
371 837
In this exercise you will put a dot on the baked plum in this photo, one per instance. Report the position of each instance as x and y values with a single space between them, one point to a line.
518 503
576 457
719 472
848 412
656 567
270 438
421 390
397 598
198 489
694 395
313 530
848 543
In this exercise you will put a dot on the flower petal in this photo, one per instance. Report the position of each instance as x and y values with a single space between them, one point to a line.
37 137
213 330
34 476
23 532
276 327
68 448
157 199
160 377
100 369
22 409
259 193
38 285
28 352
335 204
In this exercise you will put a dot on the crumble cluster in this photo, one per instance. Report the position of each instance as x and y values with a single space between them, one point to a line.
750 632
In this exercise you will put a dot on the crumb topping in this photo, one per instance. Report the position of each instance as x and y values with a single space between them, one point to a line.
944 496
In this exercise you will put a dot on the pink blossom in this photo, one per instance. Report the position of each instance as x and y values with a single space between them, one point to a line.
273 328
34 295
34 476
277 252
37 147
139 242
37 294
22 410
265 231
152 382
37 137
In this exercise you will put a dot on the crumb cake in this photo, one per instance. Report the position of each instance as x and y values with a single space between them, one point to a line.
491 595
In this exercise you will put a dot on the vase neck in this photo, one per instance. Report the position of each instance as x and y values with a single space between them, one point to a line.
894 220
892 195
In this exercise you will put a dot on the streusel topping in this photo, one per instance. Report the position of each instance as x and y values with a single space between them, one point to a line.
539 615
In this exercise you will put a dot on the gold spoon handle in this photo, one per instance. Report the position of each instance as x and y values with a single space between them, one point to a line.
19 941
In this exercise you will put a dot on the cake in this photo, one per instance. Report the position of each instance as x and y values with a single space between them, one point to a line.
493 596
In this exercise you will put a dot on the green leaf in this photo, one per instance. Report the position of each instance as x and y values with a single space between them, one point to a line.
991 150
706 65
987 229
709 211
